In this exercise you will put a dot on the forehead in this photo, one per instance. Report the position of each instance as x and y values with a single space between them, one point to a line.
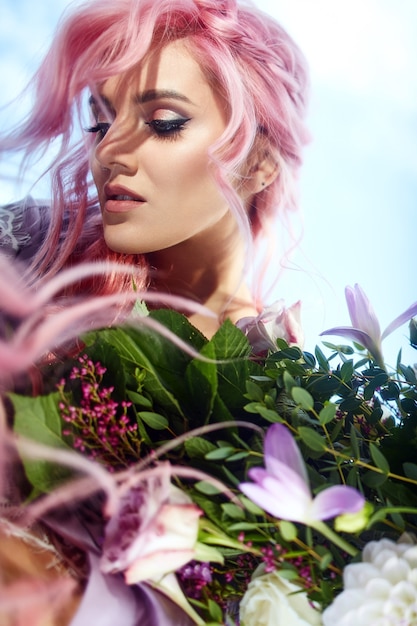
171 68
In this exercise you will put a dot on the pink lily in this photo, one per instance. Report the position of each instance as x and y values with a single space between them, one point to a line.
282 487
153 532
276 321
365 328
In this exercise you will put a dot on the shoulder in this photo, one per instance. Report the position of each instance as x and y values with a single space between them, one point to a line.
23 226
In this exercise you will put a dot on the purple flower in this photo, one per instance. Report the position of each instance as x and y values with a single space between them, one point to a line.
272 323
282 487
365 328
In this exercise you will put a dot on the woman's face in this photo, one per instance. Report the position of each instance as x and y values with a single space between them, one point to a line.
150 161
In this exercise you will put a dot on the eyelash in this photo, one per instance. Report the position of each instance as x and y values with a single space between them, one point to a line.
100 127
168 128
161 128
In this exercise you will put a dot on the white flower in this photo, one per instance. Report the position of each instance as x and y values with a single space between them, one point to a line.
271 601
380 591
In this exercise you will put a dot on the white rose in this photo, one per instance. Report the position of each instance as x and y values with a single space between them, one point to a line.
271 601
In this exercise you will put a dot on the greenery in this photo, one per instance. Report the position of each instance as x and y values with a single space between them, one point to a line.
355 422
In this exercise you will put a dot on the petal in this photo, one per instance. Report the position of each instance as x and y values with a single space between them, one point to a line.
280 504
156 565
286 482
280 445
336 500
361 312
355 334
400 320
294 329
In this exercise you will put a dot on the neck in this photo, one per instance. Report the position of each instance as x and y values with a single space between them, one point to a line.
207 270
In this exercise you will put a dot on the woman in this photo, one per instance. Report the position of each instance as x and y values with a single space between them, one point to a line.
197 116
193 145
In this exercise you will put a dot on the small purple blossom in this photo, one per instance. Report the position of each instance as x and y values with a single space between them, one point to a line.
100 425
282 487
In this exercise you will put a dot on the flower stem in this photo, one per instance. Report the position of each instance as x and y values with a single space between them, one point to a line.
327 532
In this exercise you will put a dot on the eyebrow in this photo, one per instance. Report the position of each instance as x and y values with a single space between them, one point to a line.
161 94
147 96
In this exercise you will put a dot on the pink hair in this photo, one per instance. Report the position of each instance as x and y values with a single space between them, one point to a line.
244 53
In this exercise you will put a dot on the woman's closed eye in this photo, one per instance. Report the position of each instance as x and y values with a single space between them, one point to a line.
167 128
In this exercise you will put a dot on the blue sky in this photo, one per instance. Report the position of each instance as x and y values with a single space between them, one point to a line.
359 184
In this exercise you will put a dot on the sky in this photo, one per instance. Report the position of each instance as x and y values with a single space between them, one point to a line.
359 181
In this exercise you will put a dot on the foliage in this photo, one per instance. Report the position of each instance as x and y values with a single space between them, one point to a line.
132 393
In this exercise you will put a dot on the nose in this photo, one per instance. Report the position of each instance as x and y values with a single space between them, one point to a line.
118 148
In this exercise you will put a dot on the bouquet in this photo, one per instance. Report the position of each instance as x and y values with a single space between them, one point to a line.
258 487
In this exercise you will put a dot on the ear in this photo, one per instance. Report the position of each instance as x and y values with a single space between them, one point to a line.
262 170
263 173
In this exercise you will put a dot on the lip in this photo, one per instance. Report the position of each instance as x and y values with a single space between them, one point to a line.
119 199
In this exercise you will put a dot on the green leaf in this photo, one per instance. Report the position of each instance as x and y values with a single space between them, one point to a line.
260 409
230 343
374 383
408 373
138 399
219 453
351 404
374 479
288 530
254 392
161 367
289 381
215 611
379 459
198 447
410 470
38 419
312 439
207 488
354 442
237 457
233 511
154 420
201 380
346 371
321 359
251 506
303 398
327 413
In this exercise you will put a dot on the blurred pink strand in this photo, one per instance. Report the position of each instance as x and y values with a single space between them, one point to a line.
45 326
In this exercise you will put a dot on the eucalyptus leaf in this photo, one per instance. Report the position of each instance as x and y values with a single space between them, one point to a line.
378 458
312 439
410 470
154 420
219 453
327 413
303 398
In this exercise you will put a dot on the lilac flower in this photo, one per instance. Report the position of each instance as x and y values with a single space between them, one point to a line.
282 488
276 321
365 328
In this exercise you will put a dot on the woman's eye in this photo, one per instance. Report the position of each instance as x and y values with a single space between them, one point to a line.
168 128
100 128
